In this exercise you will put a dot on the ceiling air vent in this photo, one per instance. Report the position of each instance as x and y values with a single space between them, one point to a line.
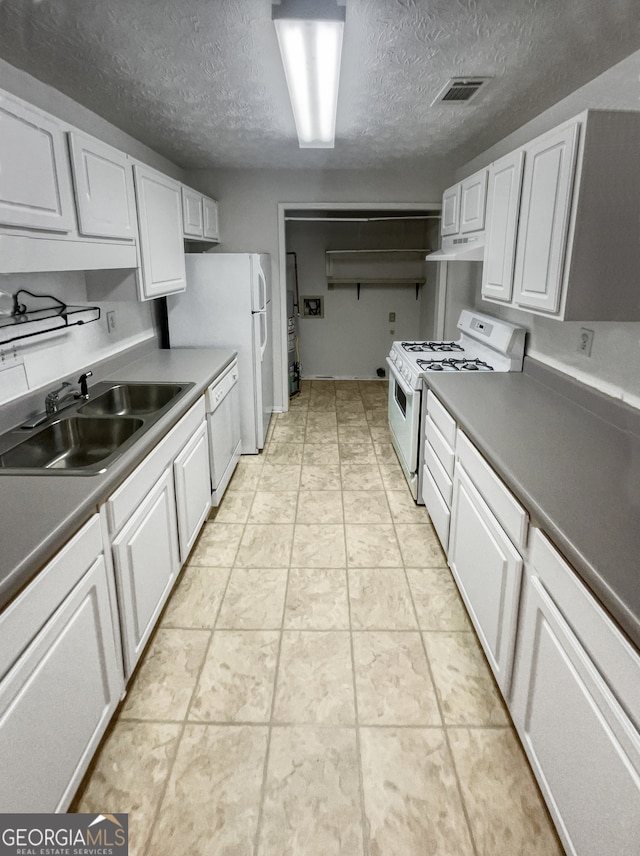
460 90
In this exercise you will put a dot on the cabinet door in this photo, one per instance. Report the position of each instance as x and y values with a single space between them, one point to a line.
56 701
193 489
146 563
488 570
192 222
582 746
544 220
104 189
35 185
210 213
503 207
450 223
473 196
160 224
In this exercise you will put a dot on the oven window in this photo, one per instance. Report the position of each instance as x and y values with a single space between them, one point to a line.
401 399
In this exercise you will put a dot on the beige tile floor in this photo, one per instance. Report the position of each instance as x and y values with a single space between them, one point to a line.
314 686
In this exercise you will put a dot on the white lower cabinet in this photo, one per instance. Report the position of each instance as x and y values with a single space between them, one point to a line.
60 676
193 489
576 705
146 562
488 571
154 518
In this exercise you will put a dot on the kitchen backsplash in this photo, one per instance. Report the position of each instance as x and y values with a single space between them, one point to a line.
41 360
614 363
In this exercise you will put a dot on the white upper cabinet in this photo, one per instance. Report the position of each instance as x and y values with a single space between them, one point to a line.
210 217
450 223
544 219
463 209
199 216
192 219
575 222
35 186
473 195
503 204
104 189
159 204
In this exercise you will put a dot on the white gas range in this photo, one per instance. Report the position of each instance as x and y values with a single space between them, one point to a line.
486 344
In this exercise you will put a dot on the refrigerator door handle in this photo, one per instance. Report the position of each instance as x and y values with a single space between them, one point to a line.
263 331
262 290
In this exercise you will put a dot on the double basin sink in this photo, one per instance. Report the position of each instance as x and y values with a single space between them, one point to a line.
86 437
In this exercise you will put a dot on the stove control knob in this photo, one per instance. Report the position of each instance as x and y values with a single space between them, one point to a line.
392 356
400 364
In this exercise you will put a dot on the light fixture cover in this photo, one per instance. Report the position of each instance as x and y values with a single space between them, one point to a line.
310 38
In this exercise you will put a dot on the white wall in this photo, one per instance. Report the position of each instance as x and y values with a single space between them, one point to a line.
44 359
614 364
248 201
353 338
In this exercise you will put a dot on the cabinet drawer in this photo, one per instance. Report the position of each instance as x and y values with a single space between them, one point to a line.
437 507
445 422
33 607
438 473
512 516
122 503
442 449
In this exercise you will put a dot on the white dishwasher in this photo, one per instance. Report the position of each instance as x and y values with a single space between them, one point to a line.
223 421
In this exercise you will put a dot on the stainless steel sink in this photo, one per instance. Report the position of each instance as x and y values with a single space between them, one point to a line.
132 399
88 437
71 444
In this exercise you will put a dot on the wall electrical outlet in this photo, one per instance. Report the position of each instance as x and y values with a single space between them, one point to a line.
111 320
392 317
585 342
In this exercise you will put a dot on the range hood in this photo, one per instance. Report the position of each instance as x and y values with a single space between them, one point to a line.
467 248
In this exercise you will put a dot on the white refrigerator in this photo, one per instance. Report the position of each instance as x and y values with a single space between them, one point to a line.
227 304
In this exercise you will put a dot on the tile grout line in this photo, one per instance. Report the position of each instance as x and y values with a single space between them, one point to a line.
267 755
185 722
443 720
363 814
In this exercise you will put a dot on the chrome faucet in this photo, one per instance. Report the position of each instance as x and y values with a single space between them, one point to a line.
53 403
52 400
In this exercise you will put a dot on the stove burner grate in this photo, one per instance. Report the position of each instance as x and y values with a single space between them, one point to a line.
452 365
434 347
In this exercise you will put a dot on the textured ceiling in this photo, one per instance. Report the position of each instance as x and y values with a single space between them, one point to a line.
201 82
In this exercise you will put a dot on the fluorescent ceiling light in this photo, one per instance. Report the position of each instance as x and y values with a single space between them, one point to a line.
310 39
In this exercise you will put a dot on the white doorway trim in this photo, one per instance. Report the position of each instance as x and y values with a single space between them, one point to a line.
283 207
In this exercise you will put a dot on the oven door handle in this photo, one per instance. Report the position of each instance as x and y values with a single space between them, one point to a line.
399 380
